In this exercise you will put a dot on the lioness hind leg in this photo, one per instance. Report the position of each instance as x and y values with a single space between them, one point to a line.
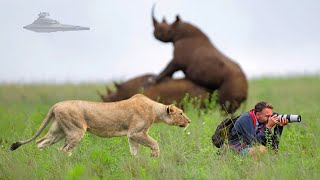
48 140
54 135
134 147
72 139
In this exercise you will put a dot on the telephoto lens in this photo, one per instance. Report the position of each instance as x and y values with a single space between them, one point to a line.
291 117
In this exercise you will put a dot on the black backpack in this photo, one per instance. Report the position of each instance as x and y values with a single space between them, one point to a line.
223 131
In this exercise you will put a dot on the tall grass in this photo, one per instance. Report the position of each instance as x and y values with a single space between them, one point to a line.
183 154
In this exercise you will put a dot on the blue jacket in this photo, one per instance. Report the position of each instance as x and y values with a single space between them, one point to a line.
245 133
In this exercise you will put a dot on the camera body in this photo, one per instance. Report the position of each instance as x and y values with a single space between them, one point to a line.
291 117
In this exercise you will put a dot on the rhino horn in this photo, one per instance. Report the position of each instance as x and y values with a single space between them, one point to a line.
116 85
155 22
101 95
108 91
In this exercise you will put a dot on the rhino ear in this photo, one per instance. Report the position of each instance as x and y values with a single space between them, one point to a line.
164 21
178 19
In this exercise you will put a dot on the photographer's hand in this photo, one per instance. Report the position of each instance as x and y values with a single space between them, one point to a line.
284 121
273 120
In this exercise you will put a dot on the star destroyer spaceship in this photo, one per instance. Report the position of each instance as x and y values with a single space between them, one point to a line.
45 25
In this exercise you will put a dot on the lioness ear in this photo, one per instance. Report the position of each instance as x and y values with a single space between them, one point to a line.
171 109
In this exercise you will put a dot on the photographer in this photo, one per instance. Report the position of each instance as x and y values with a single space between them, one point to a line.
252 131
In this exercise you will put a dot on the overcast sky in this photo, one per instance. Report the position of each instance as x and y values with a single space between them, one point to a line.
265 37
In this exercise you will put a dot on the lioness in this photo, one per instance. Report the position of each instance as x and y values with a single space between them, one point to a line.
132 118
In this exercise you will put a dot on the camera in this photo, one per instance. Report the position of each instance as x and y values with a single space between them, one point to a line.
291 117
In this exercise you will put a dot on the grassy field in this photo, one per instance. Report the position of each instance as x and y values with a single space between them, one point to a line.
183 154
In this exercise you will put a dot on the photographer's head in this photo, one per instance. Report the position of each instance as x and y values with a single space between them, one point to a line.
263 111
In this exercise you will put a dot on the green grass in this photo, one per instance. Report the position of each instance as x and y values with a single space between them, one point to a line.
183 154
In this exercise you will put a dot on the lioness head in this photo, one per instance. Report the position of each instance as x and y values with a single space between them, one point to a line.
176 116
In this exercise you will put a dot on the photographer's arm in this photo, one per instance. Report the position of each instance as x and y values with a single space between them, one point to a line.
266 132
279 127
263 135
245 129
278 130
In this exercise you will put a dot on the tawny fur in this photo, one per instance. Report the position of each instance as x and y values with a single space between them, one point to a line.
132 118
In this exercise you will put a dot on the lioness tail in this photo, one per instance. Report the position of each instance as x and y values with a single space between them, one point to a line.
46 121
15 145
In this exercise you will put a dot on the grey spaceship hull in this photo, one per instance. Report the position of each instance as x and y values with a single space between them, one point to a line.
54 28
